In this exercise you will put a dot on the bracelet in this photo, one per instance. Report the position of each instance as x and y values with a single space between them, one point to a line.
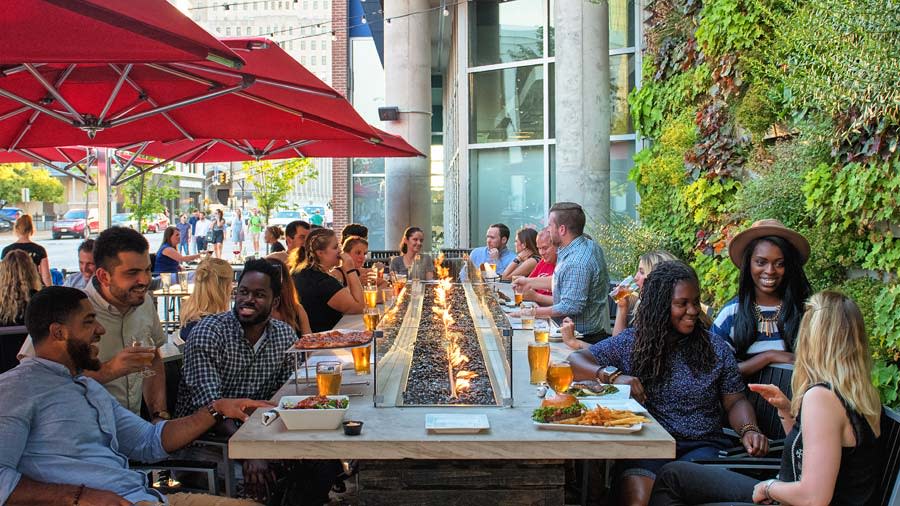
353 270
748 427
769 487
78 495
614 376
215 414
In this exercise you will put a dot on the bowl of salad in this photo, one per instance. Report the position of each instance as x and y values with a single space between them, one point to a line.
312 412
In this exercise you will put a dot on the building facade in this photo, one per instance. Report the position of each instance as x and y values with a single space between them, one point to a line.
493 127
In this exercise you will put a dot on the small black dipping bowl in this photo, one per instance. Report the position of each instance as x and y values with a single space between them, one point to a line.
352 427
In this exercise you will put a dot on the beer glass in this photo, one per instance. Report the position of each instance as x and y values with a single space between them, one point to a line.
542 330
527 314
560 376
538 360
625 288
328 378
370 292
361 356
143 341
371 317
183 281
399 283
165 281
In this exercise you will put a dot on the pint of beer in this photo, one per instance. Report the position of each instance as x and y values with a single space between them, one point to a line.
328 378
560 376
542 330
538 361
361 359
527 314
371 317
370 292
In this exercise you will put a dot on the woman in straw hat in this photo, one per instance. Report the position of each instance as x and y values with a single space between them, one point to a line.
831 453
761 323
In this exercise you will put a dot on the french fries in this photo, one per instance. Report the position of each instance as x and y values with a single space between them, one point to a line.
606 417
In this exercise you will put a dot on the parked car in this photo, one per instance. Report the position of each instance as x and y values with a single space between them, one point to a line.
77 223
282 218
11 214
156 223
124 220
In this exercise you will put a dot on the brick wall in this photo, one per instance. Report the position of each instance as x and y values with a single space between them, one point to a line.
340 168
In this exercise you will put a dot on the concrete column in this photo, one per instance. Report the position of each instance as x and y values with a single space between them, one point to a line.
583 105
407 74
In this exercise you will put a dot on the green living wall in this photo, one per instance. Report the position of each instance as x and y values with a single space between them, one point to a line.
778 109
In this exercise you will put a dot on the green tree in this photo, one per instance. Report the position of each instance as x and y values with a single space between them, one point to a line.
272 182
43 186
144 195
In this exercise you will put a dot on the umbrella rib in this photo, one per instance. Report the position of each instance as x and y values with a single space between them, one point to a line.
43 161
14 112
115 92
233 146
25 128
54 92
130 162
262 80
152 102
35 106
291 146
160 164
179 104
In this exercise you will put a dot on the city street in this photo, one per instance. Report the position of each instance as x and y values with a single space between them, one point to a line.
63 253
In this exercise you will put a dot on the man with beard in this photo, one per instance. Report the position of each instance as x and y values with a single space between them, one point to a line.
580 279
241 353
118 292
64 439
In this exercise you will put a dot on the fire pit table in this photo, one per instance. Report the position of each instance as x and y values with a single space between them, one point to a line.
419 374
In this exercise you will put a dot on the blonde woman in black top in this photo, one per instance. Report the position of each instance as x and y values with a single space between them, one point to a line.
832 424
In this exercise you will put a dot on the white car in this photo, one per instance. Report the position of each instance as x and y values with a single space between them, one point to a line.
124 220
282 218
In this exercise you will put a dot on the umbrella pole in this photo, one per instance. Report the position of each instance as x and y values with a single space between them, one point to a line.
141 202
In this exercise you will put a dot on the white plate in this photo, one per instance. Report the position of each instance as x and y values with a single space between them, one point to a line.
629 404
590 428
456 423
557 334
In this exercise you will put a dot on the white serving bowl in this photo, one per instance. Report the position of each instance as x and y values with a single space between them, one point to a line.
310 419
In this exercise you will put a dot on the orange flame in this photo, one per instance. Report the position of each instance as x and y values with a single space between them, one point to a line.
440 271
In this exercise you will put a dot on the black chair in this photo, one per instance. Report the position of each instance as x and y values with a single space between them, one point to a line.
888 490
11 339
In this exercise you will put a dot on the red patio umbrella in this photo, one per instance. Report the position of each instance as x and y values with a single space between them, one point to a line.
239 150
103 31
271 97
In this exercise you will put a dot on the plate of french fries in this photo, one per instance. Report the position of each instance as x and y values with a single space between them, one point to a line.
600 419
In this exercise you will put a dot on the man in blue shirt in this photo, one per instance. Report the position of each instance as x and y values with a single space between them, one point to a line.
64 439
495 250
580 280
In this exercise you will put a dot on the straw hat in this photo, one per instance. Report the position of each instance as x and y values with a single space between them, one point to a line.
764 228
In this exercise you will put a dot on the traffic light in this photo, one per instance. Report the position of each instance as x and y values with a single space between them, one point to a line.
223 177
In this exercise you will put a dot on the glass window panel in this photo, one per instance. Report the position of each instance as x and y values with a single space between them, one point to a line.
623 194
552 24
505 32
367 166
507 187
621 81
507 104
621 23
368 208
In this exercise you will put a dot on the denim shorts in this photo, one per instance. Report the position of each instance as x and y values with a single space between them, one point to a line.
685 449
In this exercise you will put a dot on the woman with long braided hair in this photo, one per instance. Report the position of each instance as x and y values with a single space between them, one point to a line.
686 377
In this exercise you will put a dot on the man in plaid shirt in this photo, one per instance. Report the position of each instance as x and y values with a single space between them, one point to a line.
580 279
240 353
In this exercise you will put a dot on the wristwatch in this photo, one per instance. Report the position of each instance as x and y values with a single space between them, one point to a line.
607 374
215 414
516 261
161 414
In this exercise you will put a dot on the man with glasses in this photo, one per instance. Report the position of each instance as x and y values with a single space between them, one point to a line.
580 279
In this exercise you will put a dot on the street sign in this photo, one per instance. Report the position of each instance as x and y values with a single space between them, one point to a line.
26 194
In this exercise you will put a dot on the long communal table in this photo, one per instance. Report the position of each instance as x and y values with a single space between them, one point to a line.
401 463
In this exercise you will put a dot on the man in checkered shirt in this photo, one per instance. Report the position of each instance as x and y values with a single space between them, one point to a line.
239 353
